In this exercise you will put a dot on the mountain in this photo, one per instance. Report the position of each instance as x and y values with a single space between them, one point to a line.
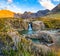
27 15
6 13
56 9
40 13
53 14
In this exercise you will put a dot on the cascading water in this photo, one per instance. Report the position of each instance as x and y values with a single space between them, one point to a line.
30 27
30 30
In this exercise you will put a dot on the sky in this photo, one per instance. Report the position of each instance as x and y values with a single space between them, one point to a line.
20 6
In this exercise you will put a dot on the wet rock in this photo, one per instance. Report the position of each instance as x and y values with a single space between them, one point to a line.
43 36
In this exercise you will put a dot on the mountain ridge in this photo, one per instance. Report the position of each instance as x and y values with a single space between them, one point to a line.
56 9
27 15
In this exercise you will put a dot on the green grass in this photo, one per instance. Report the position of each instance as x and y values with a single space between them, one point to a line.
24 47
24 52
51 21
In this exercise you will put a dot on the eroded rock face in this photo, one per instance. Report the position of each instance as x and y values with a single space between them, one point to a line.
19 24
15 36
43 36
46 36
42 48
24 25
38 25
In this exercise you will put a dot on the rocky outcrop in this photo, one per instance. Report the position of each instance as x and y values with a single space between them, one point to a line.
38 25
15 36
19 24
24 24
42 36
42 48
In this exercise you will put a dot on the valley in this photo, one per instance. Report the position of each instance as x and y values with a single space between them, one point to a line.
30 34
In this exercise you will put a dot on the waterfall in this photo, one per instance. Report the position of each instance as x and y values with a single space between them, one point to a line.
29 27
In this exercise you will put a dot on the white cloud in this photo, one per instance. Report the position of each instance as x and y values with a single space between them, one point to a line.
13 8
10 1
47 4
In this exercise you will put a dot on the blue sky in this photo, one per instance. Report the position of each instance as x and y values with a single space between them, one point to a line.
20 6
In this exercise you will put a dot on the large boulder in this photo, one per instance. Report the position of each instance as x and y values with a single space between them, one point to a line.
42 36
45 36
41 49
38 25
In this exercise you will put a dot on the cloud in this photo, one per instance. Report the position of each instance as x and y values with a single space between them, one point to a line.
47 4
13 8
10 1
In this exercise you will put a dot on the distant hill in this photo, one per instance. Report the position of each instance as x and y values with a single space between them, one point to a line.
41 13
54 13
27 15
6 13
52 19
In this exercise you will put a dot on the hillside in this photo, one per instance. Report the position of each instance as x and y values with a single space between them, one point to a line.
6 13
52 19
54 13
27 15
56 9
53 16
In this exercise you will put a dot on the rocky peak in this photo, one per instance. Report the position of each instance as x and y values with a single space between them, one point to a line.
56 9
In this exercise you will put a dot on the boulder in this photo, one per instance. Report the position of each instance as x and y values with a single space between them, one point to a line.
38 25
41 49
42 36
